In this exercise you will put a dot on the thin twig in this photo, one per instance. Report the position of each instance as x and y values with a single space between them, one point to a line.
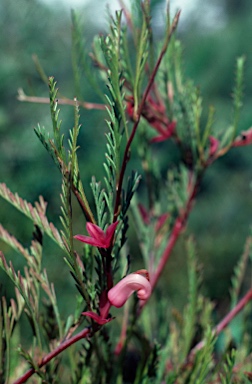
64 101
84 206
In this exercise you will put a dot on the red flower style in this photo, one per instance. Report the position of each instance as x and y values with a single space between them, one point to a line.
165 132
146 217
98 238
214 145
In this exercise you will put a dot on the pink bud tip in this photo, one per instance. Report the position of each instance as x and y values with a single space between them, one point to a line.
214 145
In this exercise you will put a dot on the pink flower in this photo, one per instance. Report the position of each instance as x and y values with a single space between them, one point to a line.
98 238
138 281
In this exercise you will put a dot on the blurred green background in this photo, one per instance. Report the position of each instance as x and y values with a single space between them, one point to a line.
213 36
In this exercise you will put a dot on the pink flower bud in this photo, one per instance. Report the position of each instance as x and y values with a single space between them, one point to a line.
119 294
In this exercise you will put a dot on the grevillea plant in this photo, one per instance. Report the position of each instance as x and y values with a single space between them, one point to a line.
148 103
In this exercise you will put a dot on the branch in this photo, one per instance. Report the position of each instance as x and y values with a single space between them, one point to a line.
221 326
64 345
225 321
177 229
64 100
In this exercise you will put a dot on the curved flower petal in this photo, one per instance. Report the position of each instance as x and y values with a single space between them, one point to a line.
89 240
95 231
119 294
111 230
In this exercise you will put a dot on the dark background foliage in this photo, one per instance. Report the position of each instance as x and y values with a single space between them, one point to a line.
222 215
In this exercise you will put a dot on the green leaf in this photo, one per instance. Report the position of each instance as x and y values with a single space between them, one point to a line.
203 360
238 93
239 272
58 137
81 62
35 213
226 377
48 143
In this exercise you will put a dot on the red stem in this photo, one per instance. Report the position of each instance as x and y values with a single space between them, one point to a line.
64 345
177 229
133 132
226 320
87 212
